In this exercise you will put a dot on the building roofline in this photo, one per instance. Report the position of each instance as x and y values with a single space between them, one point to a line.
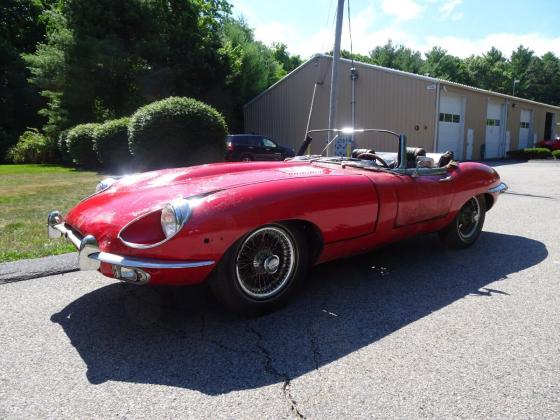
283 79
406 74
385 69
497 94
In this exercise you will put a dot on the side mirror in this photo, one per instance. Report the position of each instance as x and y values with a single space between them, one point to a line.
304 145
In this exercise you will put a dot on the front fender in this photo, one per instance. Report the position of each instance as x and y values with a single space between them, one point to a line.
342 207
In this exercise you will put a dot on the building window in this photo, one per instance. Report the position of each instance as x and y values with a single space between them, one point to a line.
450 118
524 124
492 122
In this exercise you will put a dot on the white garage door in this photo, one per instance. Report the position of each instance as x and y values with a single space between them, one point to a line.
450 133
525 129
493 130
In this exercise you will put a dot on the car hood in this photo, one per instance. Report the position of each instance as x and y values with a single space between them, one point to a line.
135 195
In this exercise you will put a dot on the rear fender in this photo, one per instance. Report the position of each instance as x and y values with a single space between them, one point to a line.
470 179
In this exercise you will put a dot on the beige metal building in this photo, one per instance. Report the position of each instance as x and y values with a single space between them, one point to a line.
435 114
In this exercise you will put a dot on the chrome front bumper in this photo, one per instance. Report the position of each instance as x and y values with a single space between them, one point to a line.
90 256
501 188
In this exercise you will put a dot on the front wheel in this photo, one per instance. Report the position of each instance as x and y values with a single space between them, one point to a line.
260 272
467 225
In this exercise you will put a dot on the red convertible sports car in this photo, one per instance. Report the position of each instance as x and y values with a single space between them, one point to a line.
253 229
552 144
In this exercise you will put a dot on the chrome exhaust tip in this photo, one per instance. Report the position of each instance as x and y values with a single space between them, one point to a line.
130 275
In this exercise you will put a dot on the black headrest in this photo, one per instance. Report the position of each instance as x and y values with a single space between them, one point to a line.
411 154
358 152
445 158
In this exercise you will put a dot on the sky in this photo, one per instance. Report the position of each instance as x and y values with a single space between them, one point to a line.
462 27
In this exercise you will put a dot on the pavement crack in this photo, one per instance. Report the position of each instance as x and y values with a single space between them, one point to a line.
271 369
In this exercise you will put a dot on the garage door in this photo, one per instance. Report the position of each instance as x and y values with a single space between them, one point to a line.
450 132
525 129
493 130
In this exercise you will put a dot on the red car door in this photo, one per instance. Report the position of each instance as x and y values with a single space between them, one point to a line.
423 198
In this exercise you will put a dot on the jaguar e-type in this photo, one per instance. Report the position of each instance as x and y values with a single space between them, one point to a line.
253 229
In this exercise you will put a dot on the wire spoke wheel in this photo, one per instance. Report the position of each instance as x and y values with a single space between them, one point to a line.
469 218
265 262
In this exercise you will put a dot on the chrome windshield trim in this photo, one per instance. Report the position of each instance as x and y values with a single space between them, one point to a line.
501 188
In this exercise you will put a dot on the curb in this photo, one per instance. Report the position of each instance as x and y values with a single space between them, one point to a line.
20 270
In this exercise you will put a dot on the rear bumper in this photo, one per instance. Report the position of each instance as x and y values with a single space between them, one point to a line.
90 256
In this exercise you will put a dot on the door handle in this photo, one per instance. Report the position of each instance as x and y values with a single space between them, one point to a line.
251 147
446 179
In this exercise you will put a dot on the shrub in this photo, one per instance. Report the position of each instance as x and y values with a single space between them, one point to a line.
80 145
110 141
63 147
530 153
32 147
556 154
177 132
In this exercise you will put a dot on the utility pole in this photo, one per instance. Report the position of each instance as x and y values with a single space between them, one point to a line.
334 74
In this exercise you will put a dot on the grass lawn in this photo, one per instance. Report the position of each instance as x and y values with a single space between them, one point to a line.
27 194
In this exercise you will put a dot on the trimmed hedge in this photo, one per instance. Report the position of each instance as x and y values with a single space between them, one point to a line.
530 153
177 131
32 147
80 145
110 142
556 154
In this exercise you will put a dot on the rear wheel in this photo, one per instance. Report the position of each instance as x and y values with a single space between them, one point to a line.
262 270
246 158
467 225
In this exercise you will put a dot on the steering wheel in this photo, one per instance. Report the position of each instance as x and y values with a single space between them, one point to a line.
374 157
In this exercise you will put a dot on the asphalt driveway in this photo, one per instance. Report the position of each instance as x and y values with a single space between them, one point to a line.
411 330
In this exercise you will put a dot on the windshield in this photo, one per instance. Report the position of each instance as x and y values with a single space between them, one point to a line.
341 148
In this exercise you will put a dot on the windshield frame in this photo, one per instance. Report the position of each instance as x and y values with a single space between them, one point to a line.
400 137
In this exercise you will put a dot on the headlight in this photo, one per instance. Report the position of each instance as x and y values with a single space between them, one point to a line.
174 216
104 184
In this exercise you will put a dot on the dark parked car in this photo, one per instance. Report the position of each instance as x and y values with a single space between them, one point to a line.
247 147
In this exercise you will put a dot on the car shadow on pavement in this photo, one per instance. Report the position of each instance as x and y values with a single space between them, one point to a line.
181 337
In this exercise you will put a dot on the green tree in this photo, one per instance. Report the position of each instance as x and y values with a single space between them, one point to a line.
20 30
103 58
282 56
440 64
253 67
490 71
518 65
396 57
542 79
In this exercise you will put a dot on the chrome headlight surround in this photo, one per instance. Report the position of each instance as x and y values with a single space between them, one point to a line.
104 185
174 216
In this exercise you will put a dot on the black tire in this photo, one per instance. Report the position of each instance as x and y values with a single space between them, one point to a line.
261 271
247 158
465 228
